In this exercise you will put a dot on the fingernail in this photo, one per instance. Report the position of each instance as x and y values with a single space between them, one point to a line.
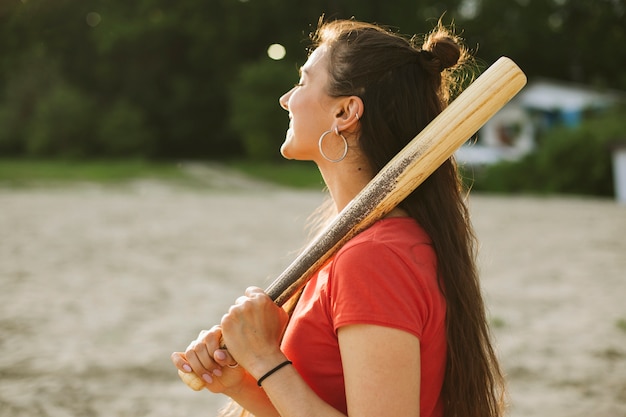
220 355
187 368
207 378
217 372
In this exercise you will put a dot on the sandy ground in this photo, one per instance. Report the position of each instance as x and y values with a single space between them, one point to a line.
99 285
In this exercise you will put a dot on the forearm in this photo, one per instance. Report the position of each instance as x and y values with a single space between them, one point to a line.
253 398
283 394
292 397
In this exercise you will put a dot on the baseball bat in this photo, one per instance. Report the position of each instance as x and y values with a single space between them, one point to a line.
404 173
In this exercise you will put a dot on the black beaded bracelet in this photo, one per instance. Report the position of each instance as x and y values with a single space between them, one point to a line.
271 371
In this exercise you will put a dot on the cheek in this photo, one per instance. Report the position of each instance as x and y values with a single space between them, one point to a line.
301 118
308 117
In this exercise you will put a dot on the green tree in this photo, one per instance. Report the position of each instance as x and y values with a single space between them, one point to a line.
174 67
122 131
256 115
61 124
573 40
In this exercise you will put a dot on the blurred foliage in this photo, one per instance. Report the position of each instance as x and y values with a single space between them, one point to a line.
569 160
255 117
191 79
61 123
123 131
569 40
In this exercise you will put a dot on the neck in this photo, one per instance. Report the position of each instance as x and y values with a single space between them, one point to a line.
344 180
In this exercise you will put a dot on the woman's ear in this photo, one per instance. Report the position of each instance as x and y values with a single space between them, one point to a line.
349 114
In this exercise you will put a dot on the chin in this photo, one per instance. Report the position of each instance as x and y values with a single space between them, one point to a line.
284 151
293 156
287 150
292 151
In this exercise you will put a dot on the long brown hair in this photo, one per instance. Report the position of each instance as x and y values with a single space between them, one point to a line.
404 85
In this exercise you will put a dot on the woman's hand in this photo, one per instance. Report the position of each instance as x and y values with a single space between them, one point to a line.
252 329
211 362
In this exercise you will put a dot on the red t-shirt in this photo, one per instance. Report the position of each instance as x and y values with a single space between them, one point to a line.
386 276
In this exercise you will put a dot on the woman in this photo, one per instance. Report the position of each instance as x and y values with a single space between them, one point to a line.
393 324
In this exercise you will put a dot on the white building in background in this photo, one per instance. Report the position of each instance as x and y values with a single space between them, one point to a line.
511 133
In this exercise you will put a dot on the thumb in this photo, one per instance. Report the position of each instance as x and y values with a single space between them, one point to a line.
224 358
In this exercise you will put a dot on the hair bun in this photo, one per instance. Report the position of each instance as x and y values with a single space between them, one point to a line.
443 49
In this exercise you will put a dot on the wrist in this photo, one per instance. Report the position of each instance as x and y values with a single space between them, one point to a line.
237 391
267 364
273 371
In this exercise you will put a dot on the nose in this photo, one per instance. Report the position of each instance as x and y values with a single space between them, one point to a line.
284 100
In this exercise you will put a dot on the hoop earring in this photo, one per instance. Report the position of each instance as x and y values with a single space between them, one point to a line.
345 145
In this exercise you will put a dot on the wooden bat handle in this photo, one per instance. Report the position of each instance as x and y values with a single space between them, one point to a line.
193 381
405 172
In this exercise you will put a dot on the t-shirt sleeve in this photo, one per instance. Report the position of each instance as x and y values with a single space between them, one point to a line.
370 283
